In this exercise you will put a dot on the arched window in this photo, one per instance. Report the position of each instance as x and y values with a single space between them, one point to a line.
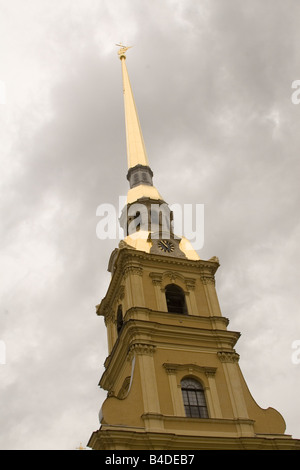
175 299
193 398
119 319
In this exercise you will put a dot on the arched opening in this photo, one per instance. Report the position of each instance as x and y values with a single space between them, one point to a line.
193 398
175 298
119 319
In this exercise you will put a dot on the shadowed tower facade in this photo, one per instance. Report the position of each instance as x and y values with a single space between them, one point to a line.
172 373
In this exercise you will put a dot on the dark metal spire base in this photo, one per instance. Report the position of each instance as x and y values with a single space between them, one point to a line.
140 174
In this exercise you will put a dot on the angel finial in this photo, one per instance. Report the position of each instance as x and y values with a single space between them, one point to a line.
123 50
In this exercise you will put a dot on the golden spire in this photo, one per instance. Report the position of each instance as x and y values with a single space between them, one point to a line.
136 151
140 176
123 49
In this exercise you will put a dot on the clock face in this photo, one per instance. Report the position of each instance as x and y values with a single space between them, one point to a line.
166 246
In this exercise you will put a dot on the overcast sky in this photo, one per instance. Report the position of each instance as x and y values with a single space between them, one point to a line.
212 82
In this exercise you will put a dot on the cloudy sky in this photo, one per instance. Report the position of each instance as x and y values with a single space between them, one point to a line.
212 82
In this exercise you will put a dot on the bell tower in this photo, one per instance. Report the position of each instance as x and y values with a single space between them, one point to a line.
172 373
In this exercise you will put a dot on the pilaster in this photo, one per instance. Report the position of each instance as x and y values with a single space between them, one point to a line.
159 294
111 330
229 360
212 395
175 390
190 296
208 282
144 354
133 274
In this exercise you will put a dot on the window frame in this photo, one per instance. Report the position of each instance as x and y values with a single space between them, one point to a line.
194 400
